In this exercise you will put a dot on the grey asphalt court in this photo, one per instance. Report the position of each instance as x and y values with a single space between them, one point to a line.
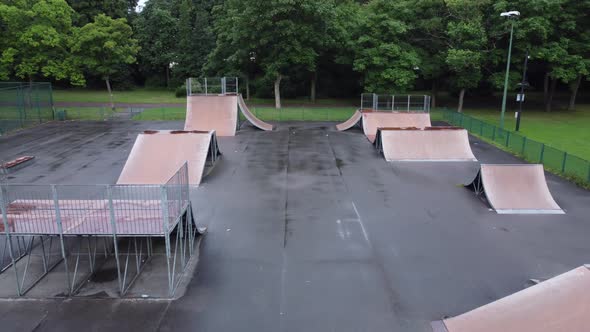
310 229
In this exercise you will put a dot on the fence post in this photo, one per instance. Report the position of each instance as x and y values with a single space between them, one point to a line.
588 177
507 138
494 134
541 155
563 162
205 85
481 128
408 103
523 145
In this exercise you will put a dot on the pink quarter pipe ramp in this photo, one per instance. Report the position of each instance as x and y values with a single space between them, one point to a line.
448 144
353 121
212 112
256 122
515 189
561 303
374 120
157 155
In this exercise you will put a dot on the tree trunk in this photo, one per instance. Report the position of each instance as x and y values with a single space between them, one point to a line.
433 97
247 87
461 95
278 91
546 88
550 97
168 76
575 87
314 79
108 82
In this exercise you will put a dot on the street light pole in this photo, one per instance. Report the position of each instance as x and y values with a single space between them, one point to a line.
523 84
506 78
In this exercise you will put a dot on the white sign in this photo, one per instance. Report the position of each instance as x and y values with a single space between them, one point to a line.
520 97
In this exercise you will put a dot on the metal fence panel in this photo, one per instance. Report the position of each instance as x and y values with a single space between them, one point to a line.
533 151
24 105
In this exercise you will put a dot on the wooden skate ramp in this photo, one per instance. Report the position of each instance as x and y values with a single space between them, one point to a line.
210 112
354 120
374 120
424 145
157 155
515 189
558 304
256 122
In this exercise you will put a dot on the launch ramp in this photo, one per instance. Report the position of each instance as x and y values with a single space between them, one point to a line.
212 112
561 303
157 155
373 120
429 144
515 189
256 122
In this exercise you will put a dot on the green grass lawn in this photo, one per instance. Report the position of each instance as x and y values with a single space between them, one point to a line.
566 130
144 96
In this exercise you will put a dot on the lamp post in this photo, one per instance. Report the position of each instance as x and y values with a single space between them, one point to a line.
511 15
523 85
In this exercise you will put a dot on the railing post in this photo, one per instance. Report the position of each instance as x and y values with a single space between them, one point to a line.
393 102
114 230
541 155
205 85
3 207
523 145
563 162
408 103
375 101
507 138
494 134
61 235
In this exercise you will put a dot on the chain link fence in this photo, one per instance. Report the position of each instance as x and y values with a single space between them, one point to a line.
24 104
556 160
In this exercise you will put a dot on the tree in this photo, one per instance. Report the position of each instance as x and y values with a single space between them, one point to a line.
156 30
382 51
35 40
466 39
86 10
104 46
276 35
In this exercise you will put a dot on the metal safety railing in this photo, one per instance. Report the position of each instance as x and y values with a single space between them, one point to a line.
211 86
395 103
80 221
560 162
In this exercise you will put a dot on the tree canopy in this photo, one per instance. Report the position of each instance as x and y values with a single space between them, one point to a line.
300 47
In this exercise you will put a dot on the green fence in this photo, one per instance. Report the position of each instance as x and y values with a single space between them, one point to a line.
554 159
24 105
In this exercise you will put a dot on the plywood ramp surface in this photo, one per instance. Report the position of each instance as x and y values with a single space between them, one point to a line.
219 113
374 120
517 189
558 304
156 157
426 145
251 117
354 119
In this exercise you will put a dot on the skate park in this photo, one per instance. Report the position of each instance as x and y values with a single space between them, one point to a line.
307 228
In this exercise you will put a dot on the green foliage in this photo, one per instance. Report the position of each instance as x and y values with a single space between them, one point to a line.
86 10
382 51
104 45
35 40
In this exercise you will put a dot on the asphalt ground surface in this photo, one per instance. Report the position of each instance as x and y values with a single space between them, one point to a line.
310 229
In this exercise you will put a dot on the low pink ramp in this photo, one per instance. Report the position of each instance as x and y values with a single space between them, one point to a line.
561 303
256 122
449 144
354 120
373 120
212 112
515 189
157 155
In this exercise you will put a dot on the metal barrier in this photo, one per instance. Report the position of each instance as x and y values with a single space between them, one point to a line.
24 104
393 103
211 86
82 226
554 159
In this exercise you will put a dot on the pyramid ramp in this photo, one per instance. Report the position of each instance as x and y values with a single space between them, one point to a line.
373 120
353 121
448 144
212 112
256 122
515 189
157 155
561 303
